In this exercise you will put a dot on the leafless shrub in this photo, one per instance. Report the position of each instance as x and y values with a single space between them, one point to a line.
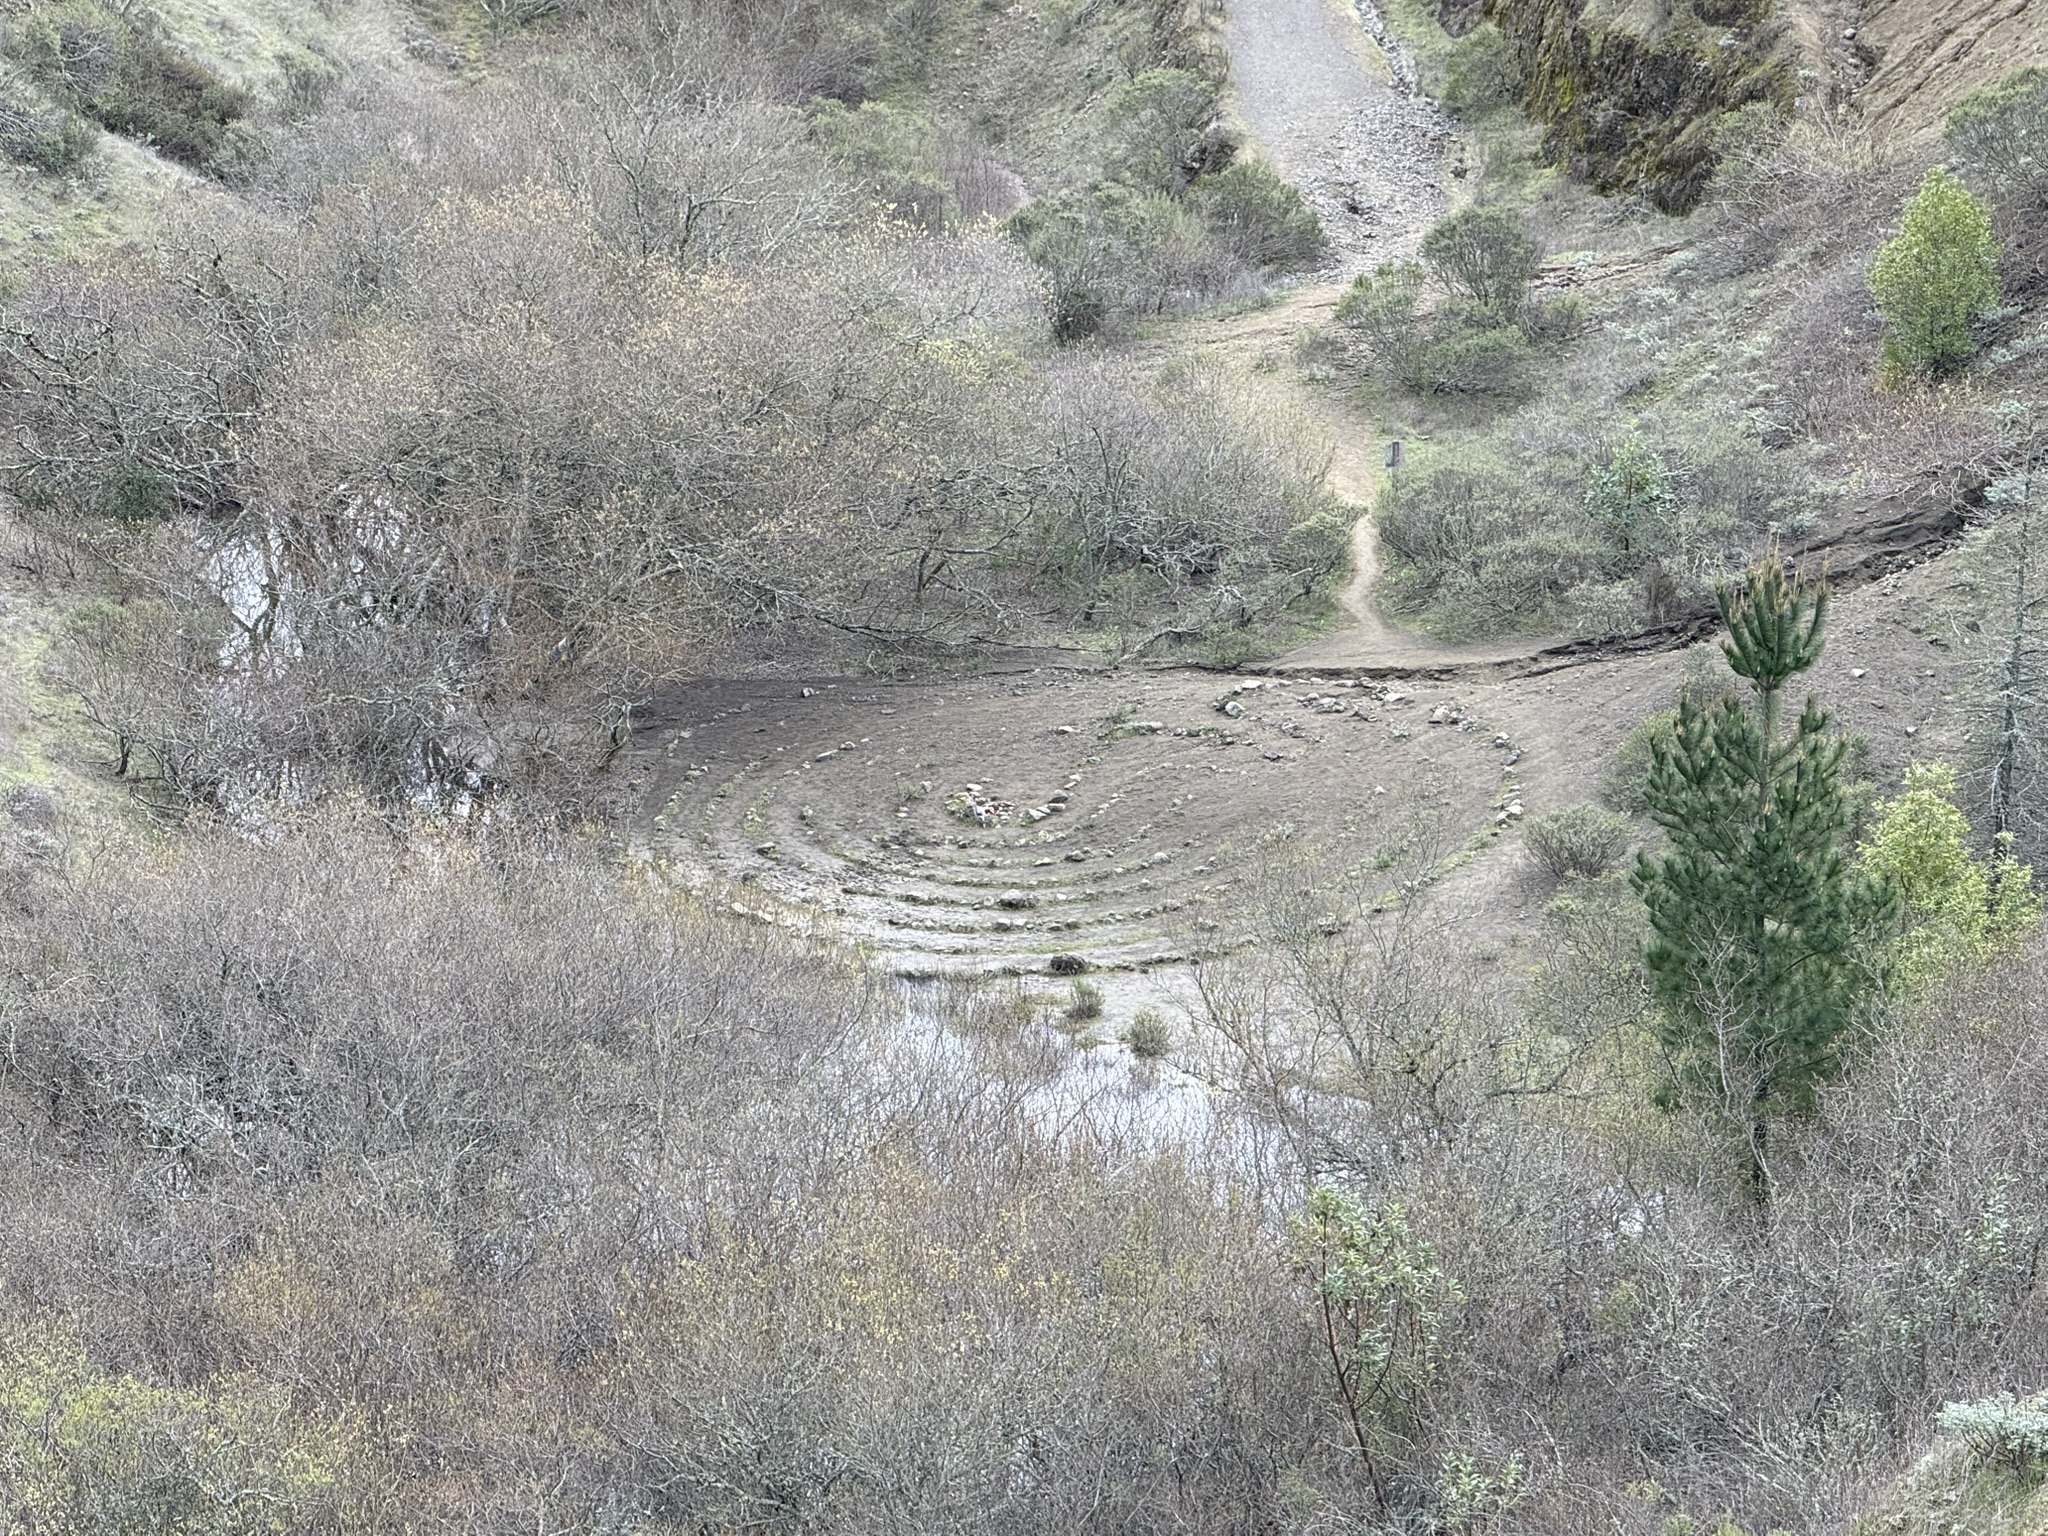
1578 840
356 1121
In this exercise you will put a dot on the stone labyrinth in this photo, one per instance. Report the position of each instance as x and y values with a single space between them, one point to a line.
1046 823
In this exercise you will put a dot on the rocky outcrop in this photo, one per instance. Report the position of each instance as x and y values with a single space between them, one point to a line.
1632 93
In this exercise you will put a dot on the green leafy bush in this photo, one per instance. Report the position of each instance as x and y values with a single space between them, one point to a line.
1460 348
1086 1005
1168 127
1469 353
1148 1035
1381 1299
1115 252
1259 218
1630 497
1647 737
1476 337
1481 550
37 132
1999 134
2002 130
2004 1431
1957 909
1485 256
1936 278
1578 840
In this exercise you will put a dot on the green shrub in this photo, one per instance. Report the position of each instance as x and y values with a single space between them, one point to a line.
1259 218
132 492
1556 321
2005 1432
1086 1006
38 133
2002 130
1148 1035
1998 134
1168 131
118 70
1113 251
1578 840
1482 550
1936 279
1630 498
1632 762
1486 257
1467 353
1956 909
1462 348
1384 309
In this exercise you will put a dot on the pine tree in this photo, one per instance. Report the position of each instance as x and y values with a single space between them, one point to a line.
1760 921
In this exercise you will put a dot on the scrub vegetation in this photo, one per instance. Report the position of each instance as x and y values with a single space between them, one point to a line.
516 510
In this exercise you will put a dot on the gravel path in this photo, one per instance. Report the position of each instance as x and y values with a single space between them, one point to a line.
1325 90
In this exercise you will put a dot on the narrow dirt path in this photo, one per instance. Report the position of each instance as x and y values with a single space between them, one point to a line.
1260 345
1324 90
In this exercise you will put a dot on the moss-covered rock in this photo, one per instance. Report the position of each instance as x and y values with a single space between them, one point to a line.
1631 92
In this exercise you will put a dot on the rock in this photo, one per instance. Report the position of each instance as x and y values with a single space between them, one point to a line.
1016 901
1445 714
1912 730
1231 708
1858 671
766 850
1514 808
1057 797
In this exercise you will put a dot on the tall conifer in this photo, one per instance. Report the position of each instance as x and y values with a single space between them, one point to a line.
1760 921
